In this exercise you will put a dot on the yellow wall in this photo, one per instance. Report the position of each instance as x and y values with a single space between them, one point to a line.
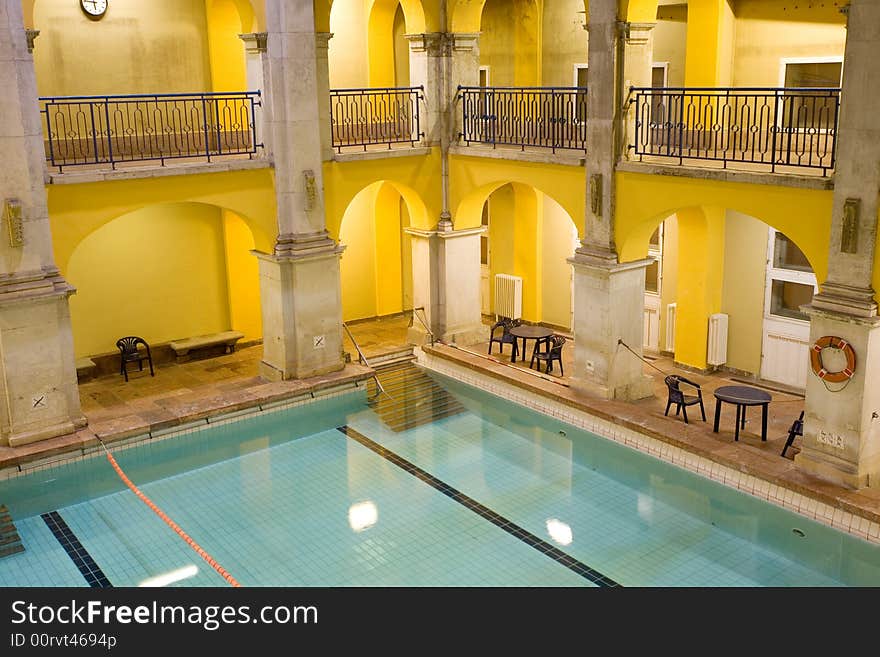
558 246
243 276
565 42
401 51
226 50
745 259
376 275
358 263
510 42
347 50
768 30
158 273
670 37
710 38
160 46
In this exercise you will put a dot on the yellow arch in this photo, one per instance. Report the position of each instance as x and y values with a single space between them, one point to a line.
322 15
564 184
644 200
418 211
74 212
465 15
635 11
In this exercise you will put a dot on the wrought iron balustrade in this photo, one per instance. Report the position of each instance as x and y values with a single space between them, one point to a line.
543 117
777 127
81 130
379 116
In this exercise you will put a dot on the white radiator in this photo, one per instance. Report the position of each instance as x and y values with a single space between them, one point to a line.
508 296
670 327
717 351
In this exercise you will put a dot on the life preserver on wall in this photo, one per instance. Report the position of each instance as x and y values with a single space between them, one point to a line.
835 343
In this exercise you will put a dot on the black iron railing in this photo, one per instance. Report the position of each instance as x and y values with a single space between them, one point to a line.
777 127
379 116
543 117
111 129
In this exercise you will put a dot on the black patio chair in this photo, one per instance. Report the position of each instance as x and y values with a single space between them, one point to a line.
130 353
680 399
797 429
505 324
547 351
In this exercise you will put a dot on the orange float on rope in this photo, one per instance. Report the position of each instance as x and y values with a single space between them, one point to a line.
835 343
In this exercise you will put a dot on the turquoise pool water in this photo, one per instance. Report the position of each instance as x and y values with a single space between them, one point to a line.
494 496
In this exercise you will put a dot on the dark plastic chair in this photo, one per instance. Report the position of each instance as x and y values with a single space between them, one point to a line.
552 351
505 324
129 353
680 399
797 429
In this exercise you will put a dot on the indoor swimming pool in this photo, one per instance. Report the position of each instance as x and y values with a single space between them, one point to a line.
439 484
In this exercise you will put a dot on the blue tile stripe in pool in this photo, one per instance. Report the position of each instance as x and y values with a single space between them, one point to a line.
76 551
485 512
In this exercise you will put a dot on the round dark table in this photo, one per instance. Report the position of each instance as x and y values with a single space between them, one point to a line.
528 332
742 397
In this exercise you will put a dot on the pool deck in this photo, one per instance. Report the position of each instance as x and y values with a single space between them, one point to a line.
181 393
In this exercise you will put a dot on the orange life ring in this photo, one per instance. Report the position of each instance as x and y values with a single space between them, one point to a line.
835 343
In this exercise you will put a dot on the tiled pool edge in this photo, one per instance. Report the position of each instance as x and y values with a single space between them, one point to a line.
791 500
94 448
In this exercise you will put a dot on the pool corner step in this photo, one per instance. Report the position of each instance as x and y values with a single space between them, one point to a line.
10 541
412 397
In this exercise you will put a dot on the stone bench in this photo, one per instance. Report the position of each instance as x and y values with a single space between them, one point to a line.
182 348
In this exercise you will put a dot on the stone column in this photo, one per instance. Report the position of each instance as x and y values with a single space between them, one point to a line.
323 84
446 276
426 53
255 63
841 439
638 63
299 281
608 295
38 390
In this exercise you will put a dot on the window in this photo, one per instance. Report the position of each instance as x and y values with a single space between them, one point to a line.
653 272
806 109
658 101
791 282
787 297
652 277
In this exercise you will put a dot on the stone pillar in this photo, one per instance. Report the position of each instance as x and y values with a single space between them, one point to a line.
299 281
38 391
323 84
255 63
426 53
841 439
609 296
638 63
446 276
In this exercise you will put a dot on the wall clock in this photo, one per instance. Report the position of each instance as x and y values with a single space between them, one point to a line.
94 9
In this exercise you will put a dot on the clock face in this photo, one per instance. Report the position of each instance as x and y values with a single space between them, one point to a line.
94 8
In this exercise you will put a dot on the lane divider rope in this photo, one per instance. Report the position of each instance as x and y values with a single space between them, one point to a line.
168 521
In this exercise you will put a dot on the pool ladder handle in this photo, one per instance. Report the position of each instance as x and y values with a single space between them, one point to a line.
363 359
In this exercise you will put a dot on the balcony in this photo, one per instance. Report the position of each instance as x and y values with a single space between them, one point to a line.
551 118
780 130
381 116
109 130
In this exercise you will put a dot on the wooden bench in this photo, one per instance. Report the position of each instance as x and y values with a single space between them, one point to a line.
226 338
86 368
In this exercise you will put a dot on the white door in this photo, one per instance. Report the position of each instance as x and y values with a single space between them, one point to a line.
485 291
653 283
791 283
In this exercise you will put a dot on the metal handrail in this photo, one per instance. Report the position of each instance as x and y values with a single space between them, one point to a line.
423 322
361 117
363 359
109 129
771 126
540 117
